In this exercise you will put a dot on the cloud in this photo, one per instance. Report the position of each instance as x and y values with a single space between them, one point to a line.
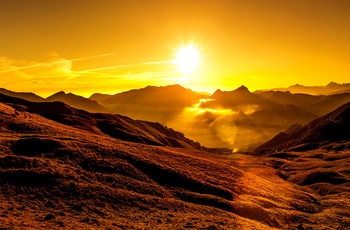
58 64
53 73
53 64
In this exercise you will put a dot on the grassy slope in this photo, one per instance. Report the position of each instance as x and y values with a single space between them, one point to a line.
53 175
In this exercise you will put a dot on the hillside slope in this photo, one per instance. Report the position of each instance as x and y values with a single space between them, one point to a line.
53 176
25 96
332 127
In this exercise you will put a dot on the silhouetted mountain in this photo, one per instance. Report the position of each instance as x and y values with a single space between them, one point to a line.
78 102
172 95
331 127
99 97
152 103
25 96
234 99
116 126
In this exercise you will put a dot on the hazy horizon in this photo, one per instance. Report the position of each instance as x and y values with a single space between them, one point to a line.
89 94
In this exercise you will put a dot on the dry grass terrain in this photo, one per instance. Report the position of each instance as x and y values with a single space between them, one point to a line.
56 176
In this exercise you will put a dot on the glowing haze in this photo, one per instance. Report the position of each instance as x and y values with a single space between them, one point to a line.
108 46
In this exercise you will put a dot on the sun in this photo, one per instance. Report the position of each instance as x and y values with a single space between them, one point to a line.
187 59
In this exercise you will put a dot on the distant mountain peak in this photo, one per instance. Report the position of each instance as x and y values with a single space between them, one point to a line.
217 93
60 93
242 88
332 84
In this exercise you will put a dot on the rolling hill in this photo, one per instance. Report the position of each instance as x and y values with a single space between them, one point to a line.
57 176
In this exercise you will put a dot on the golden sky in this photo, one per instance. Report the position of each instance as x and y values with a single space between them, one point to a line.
87 46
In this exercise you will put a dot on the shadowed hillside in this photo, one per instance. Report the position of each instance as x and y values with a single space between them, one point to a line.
332 127
316 157
25 96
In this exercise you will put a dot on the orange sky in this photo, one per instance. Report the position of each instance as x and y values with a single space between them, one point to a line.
86 46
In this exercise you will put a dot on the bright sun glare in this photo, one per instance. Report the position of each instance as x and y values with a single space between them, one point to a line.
187 58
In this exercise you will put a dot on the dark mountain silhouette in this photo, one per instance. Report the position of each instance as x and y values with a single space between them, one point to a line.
173 95
234 99
332 127
77 102
152 103
25 96
116 126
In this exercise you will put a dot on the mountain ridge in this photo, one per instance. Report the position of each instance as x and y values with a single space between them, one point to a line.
330 88
78 102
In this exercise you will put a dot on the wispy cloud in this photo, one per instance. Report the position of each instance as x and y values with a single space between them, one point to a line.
54 73
53 61
124 66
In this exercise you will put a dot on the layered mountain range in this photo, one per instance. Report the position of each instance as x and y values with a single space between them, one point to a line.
330 88
225 118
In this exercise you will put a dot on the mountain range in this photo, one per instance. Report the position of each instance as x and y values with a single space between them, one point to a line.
70 98
259 115
330 88
150 103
